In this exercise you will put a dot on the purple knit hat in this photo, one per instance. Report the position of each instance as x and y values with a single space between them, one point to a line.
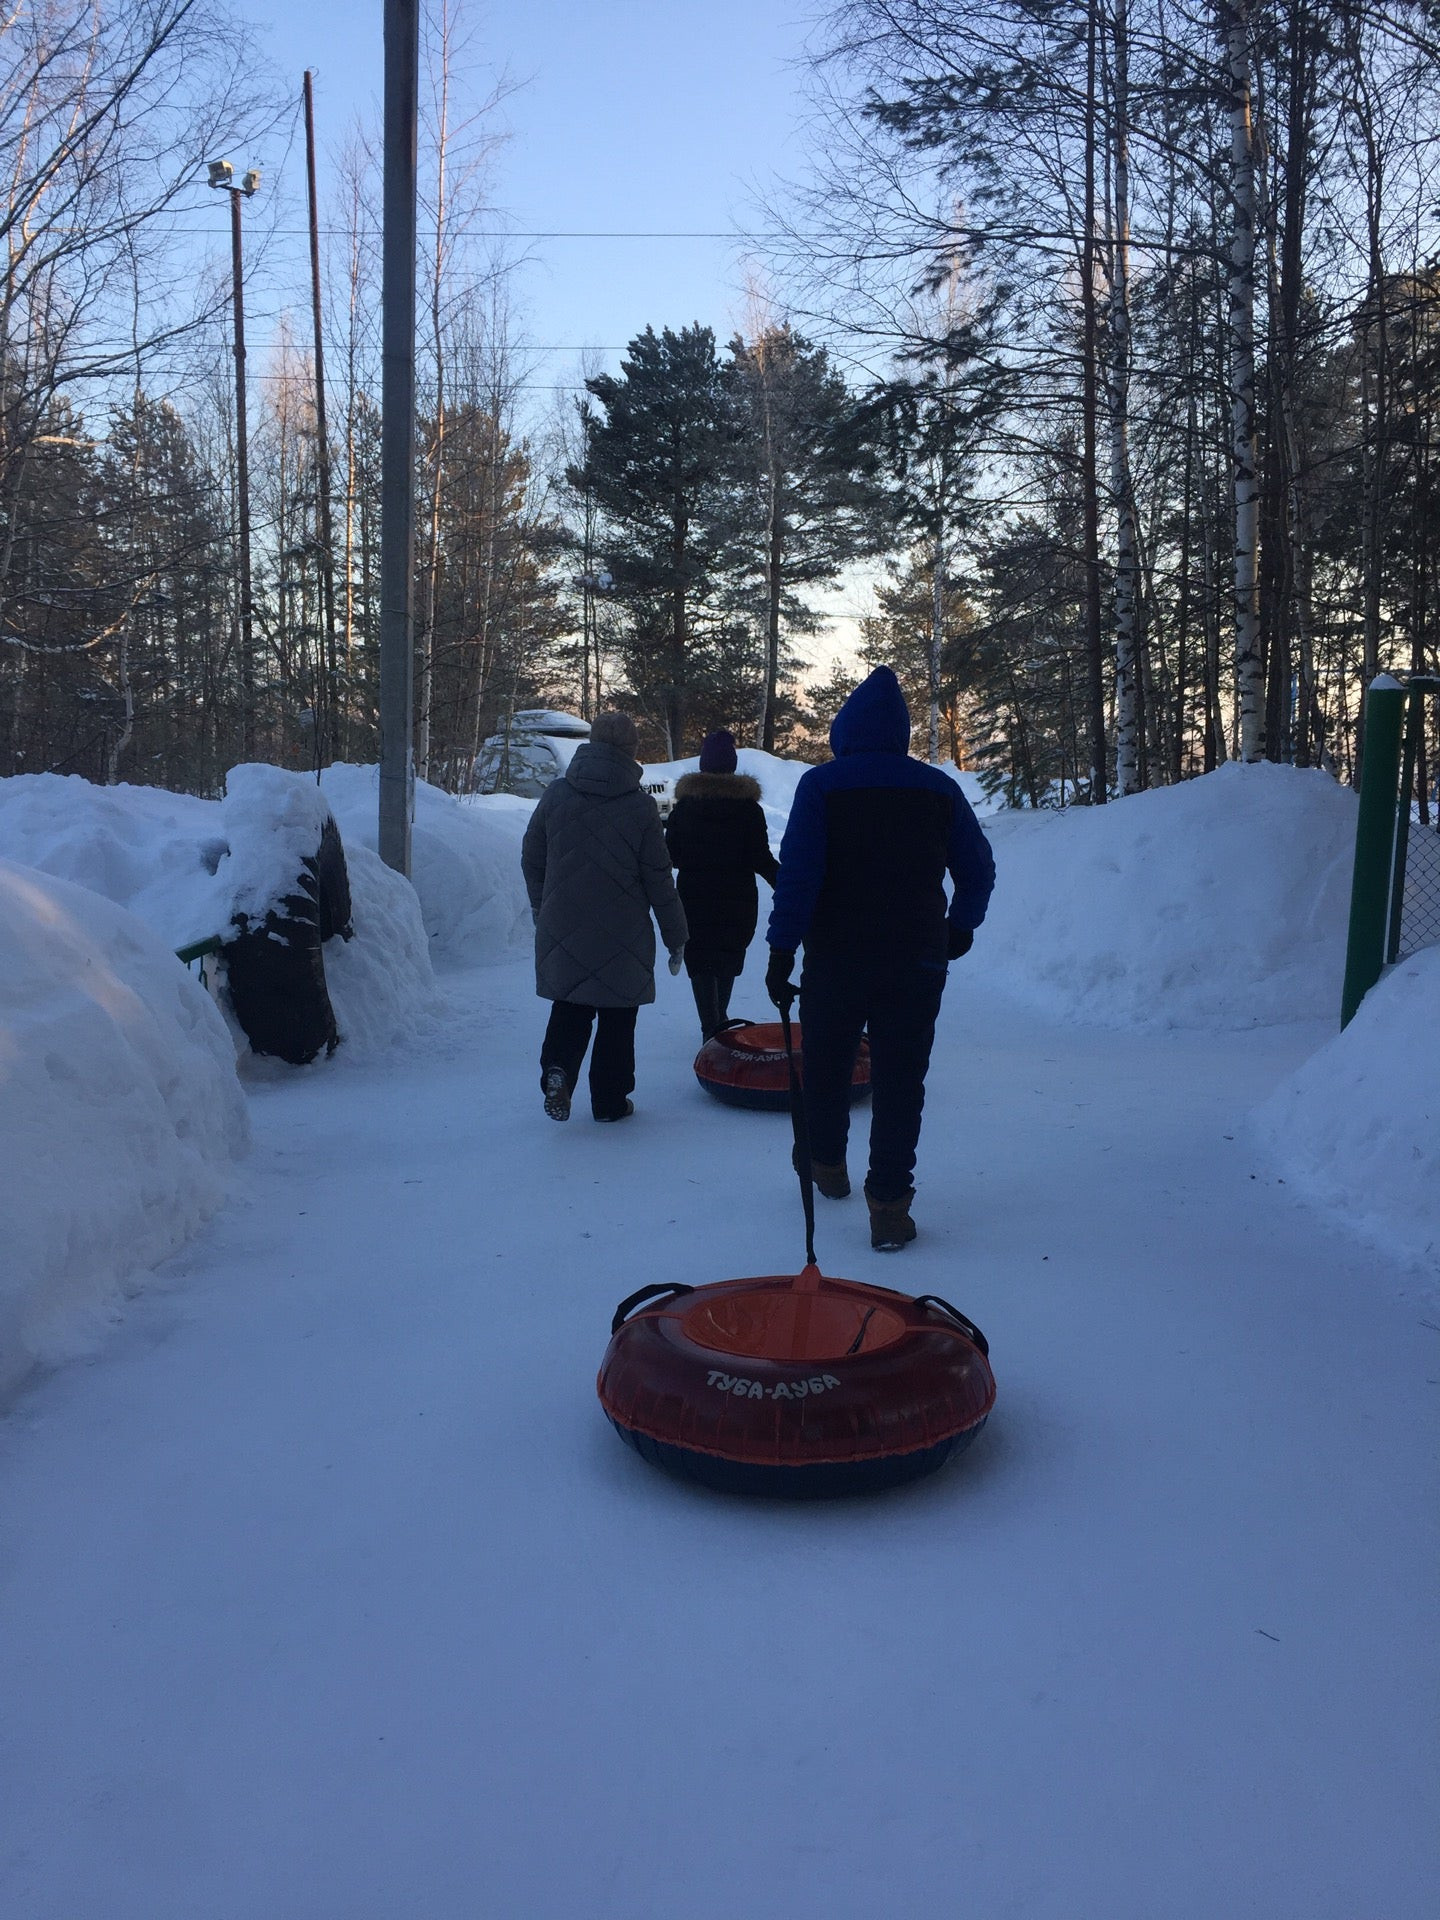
717 755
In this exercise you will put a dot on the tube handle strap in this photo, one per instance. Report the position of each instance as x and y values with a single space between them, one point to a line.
628 1305
802 1138
967 1326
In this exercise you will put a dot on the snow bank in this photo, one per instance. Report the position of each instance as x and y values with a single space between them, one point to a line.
465 861
1221 902
382 985
186 867
1357 1129
120 1112
154 852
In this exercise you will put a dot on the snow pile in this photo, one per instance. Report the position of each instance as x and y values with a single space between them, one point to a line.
120 1112
1221 902
272 824
465 861
154 852
382 985
186 867
1357 1128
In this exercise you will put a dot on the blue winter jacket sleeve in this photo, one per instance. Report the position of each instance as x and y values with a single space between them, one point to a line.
972 867
802 865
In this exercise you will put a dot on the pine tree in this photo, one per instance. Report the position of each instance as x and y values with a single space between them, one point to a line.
816 498
664 467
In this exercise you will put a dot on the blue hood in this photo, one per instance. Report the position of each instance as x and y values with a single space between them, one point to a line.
875 719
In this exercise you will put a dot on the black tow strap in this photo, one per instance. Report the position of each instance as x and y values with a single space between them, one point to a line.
802 1137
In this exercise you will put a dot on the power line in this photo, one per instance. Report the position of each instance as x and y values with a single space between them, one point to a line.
522 233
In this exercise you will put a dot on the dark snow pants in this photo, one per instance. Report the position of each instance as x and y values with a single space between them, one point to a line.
612 1064
712 1000
896 1000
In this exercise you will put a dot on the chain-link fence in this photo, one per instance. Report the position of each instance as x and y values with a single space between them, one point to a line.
1395 895
1415 878
1417 919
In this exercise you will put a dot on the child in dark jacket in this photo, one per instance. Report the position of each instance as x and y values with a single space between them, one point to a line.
717 839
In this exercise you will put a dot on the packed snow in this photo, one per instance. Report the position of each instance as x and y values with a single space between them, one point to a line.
120 1113
407 1631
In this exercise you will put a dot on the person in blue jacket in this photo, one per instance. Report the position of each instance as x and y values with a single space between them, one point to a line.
871 836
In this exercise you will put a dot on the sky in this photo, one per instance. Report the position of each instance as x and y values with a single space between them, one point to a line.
660 118
656 117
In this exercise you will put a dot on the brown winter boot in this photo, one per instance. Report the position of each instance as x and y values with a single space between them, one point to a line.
890 1224
832 1182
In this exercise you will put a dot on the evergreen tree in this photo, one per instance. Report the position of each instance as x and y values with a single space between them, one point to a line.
664 467
933 422
815 495
900 634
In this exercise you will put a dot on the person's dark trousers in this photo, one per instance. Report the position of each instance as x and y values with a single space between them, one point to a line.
712 999
896 1001
612 1064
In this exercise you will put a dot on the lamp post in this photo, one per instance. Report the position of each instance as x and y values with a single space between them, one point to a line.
222 177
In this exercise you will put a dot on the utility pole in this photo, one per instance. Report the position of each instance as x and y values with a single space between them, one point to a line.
222 176
397 435
325 680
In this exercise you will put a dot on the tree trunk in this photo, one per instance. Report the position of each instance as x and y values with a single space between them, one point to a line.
937 641
1375 392
425 692
1127 672
1249 661
1089 475
774 550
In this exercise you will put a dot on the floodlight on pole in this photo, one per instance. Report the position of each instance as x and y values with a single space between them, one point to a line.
221 175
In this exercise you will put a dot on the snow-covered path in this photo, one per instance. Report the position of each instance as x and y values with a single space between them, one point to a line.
326 1593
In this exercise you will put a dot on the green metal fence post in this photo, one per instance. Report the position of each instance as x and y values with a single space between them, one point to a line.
1374 842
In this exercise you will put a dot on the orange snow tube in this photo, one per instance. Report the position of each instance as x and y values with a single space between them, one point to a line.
744 1065
800 1387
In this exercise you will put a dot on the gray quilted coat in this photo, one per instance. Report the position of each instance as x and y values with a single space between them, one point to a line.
596 866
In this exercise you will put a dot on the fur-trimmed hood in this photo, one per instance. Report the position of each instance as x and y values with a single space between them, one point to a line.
717 786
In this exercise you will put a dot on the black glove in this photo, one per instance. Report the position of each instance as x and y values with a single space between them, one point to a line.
778 984
960 942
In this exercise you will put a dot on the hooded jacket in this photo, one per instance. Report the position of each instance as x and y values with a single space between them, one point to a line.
717 838
871 836
596 868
